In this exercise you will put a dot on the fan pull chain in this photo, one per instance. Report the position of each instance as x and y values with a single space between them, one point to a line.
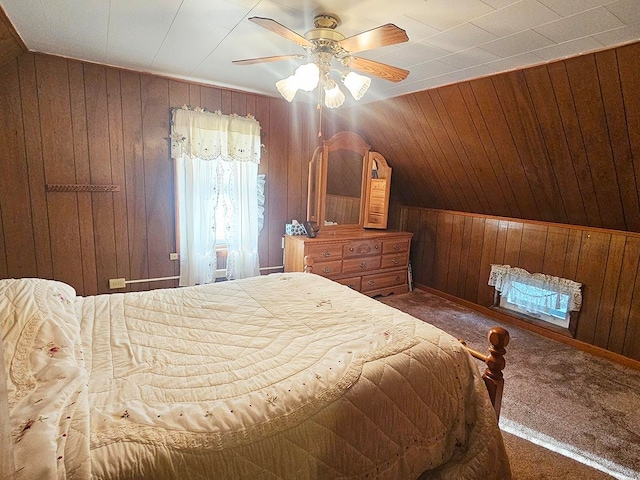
319 108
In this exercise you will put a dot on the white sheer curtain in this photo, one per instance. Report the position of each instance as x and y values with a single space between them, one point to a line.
217 159
545 290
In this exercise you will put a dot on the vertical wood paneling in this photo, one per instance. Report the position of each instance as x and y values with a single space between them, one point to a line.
57 150
609 291
73 122
485 293
33 148
133 152
83 175
591 267
585 86
606 262
99 151
627 286
608 72
19 254
532 246
118 177
541 89
158 173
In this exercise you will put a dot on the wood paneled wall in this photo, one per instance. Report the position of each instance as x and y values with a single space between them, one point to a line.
11 45
64 121
453 252
558 142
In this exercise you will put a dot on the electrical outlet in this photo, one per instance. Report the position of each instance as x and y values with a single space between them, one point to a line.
117 283
173 256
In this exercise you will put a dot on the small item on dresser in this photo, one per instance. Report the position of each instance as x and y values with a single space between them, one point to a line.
295 228
311 231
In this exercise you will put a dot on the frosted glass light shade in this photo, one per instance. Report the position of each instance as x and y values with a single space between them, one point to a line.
333 96
288 87
307 76
356 84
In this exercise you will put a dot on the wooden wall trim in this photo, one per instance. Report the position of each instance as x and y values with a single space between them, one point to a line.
511 320
532 222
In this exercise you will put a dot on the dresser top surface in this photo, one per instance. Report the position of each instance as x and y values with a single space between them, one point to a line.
324 236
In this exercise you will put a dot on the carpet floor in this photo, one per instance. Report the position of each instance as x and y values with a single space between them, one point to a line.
566 414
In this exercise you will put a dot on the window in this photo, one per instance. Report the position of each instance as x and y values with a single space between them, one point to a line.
217 193
544 297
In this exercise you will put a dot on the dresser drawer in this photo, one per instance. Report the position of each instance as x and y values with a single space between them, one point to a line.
327 269
396 260
362 248
351 282
384 280
320 253
361 265
398 245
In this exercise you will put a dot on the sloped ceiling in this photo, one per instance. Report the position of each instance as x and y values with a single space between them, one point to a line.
558 142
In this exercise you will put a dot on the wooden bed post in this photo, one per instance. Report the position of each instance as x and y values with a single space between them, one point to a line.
493 378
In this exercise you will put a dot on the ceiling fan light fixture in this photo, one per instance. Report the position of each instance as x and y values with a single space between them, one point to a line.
333 96
307 76
356 84
288 87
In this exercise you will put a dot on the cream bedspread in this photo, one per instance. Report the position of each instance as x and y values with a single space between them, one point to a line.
285 376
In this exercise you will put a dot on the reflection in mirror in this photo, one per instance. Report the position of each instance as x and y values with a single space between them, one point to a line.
314 178
344 187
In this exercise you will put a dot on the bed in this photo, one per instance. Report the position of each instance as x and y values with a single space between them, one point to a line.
285 376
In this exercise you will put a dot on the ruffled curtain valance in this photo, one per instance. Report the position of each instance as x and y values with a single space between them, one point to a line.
211 136
503 277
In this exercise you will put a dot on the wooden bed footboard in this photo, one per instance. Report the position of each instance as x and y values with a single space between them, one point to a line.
493 378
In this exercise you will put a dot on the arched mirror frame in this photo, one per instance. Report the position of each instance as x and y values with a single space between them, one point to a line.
318 166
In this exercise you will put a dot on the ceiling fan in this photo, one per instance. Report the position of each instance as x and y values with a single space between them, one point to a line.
323 45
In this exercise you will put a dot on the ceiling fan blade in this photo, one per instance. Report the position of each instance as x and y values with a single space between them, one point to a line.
381 36
281 30
382 70
276 58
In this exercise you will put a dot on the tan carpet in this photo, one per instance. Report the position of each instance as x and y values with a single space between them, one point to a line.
533 462
578 404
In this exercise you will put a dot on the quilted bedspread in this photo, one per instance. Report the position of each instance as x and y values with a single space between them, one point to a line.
286 376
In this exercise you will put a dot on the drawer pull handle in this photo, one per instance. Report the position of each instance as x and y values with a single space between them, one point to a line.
351 249
396 247
376 247
371 282
326 270
394 261
326 254
363 264
397 278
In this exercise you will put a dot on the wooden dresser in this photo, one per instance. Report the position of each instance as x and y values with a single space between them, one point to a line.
371 262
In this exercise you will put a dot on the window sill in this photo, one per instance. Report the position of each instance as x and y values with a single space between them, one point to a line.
534 321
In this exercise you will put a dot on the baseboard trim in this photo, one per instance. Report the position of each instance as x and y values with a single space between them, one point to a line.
559 337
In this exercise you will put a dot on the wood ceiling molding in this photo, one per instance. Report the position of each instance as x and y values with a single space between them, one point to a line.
11 45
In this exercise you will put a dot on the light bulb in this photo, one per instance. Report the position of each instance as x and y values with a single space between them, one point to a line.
356 84
307 76
288 87
333 96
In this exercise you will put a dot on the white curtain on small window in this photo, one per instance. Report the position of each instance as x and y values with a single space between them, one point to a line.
547 291
217 159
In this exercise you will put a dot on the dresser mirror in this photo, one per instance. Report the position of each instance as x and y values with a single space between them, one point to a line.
348 185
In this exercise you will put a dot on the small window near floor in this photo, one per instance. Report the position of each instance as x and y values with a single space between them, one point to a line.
544 297
525 299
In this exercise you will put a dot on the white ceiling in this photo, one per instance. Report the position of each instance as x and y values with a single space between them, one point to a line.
449 40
